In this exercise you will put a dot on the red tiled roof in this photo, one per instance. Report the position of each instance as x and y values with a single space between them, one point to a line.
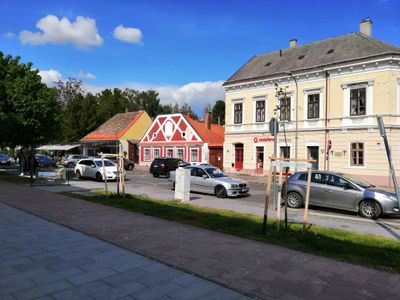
214 136
115 127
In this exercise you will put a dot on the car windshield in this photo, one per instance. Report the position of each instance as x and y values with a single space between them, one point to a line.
107 163
357 181
214 172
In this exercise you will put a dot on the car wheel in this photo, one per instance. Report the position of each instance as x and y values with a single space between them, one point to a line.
370 209
220 192
70 165
99 177
78 175
130 167
294 200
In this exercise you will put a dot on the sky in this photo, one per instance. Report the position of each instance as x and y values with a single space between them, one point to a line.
184 50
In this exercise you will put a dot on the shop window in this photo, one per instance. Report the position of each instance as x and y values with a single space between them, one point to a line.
357 154
147 154
238 113
313 106
156 153
179 153
194 155
285 152
170 153
358 102
285 109
260 111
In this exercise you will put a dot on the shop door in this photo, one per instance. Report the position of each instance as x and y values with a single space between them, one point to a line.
260 160
239 156
313 153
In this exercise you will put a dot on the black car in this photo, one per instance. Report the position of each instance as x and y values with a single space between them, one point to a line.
163 166
128 164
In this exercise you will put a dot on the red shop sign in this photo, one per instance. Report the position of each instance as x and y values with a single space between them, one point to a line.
264 139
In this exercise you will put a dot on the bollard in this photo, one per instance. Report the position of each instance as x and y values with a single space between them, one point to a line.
182 184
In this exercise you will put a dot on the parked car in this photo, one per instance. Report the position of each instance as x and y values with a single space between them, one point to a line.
163 166
44 161
70 160
128 164
92 168
341 191
208 179
4 159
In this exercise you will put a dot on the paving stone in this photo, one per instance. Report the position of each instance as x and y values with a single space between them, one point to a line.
91 276
83 291
124 277
42 290
223 294
195 290
119 292
162 276
157 291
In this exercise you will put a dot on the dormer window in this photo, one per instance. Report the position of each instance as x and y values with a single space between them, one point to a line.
330 51
267 64
301 57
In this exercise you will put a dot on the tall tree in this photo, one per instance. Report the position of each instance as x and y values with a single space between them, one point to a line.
29 111
218 112
187 110
150 102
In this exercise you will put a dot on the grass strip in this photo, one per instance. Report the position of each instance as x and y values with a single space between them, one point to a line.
364 249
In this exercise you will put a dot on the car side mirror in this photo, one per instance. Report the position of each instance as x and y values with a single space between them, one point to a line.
347 186
204 176
93 166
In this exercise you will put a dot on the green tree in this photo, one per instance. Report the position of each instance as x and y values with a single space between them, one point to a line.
29 111
218 112
187 110
150 102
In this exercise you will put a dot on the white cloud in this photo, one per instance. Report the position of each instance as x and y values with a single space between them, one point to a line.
196 94
128 34
50 76
82 32
84 75
9 35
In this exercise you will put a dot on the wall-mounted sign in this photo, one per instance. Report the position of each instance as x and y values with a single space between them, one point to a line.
263 139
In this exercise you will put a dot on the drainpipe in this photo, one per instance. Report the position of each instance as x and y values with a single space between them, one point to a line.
326 162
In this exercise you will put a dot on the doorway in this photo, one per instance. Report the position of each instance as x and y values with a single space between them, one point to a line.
239 156
313 153
259 160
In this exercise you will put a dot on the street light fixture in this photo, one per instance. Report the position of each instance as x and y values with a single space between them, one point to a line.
297 115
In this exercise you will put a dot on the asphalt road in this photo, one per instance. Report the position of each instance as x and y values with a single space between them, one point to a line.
142 182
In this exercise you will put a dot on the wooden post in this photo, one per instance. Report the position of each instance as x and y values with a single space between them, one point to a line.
307 199
122 176
285 196
267 195
278 201
104 174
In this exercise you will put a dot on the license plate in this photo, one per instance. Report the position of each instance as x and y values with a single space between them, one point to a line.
155 166
244 190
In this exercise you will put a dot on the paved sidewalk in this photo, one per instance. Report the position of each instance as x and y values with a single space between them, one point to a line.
43 259
257 269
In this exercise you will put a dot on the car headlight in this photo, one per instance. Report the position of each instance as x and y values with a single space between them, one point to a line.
234 185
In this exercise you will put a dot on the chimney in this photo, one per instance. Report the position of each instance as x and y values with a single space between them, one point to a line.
292 43
366 27
207 120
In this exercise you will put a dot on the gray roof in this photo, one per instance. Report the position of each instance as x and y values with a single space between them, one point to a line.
347 48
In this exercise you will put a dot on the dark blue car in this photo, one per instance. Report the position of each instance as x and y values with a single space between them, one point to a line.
44 160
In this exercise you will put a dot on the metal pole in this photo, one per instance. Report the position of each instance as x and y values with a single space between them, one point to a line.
382 132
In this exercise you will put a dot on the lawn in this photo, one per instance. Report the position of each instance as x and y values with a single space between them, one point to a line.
343 245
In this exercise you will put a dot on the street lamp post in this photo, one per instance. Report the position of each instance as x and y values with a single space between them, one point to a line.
296 138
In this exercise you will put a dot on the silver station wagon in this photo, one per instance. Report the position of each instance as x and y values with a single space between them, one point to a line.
205 178
341 191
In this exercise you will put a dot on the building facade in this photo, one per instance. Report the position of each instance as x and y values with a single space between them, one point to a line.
179 136
121 132
334 88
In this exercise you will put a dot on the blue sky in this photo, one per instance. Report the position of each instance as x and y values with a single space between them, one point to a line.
183 49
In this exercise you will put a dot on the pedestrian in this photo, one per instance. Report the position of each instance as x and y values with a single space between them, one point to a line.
22 162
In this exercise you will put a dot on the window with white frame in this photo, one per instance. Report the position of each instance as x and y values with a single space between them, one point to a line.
357 154
358 101
313 106
194 155
156 153
260 111
179 153
170 153
285 109
147 154
238 113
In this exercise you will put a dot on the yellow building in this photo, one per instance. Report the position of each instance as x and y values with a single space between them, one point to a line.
335 89
121 132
